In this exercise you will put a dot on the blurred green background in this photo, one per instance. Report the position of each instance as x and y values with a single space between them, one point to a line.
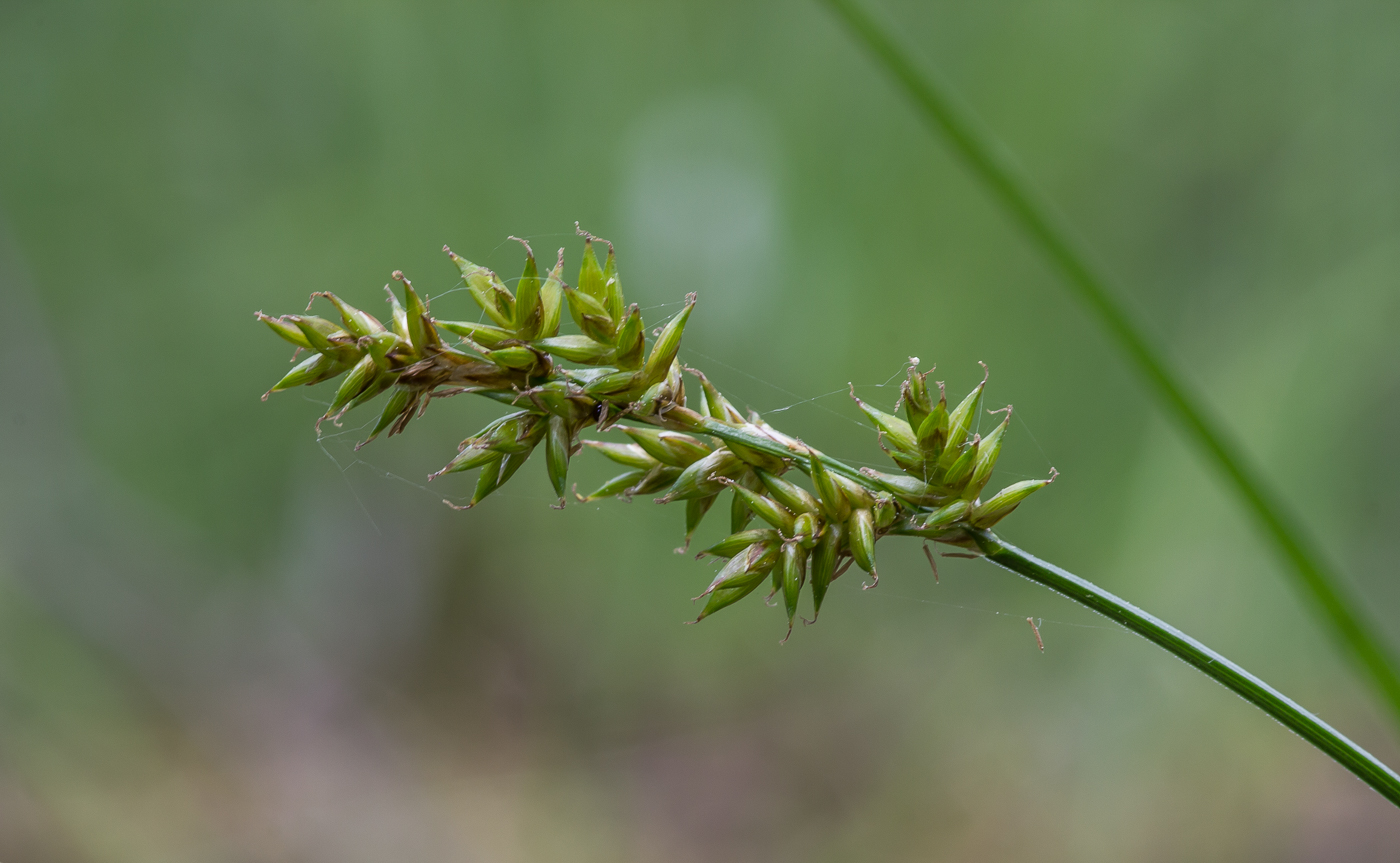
222 639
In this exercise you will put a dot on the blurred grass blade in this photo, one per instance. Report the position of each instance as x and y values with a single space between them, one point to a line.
1314 576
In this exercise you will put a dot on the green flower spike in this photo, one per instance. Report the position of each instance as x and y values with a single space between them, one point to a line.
688 447
693 446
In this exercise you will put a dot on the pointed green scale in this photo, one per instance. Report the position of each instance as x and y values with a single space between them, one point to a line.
403 399
987 458
382 381
824 562
286 330
914 394
514 461
739 513
361 375
628 454
487 435
740 540
421 334
558 446
714 402
631 340
766 508
398 318
731 413
506 434
517 357
703 478
914 465
857 494
862 539
885 512
486 288
312 370
960 424
318 333
835 504
577 349
357 323
518 434
805 529
468 459
615 386
379 345
893 429
721 599
673 448
590 277
660 396
946 516
489 479
659 477
1001 504
590 315
612 284
933 431
749 566
484 334
561 399
907 488
794 573
552 299
663 352
736 570
527 298
790 495
960 471
696 401
617 485
695 510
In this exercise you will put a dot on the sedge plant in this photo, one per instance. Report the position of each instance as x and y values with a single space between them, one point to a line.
798 519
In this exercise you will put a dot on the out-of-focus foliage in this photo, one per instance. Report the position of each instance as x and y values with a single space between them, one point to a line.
210 650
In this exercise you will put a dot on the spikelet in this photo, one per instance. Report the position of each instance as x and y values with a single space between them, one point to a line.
815 517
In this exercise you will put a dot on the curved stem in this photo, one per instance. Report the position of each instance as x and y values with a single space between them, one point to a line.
1312 574
742 436
1346 753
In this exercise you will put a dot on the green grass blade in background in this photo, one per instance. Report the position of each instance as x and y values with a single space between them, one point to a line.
1312 574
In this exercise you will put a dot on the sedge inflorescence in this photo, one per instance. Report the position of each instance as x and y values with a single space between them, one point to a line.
689 444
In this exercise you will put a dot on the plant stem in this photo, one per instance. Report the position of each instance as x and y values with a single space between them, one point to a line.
1184 647
1312 575
743 437
1360 762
